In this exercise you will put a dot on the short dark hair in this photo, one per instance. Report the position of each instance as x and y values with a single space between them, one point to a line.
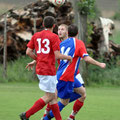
49 21
72 30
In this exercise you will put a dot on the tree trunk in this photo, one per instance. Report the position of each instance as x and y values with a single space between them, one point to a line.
83 31
5 48
81 22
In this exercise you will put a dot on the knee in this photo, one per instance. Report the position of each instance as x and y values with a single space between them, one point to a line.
50 97
83 97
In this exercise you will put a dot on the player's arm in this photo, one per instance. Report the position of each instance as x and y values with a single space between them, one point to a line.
90 60
30 53
58 55
56 48
87 58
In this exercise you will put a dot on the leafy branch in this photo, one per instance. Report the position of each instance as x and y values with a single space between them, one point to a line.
86 7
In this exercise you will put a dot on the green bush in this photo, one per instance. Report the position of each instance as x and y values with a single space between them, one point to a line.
16 71
116 37
88 7
116 16
108 76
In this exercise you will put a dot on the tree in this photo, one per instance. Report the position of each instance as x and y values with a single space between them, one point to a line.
82 9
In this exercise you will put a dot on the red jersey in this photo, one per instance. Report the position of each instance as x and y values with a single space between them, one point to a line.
45 43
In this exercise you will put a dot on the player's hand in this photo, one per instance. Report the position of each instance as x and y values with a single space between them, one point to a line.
70 59
102 65
31 65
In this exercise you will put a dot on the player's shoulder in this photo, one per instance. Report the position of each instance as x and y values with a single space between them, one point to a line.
79 41
65 42
51 35
68 40
38 33
54 35
35 35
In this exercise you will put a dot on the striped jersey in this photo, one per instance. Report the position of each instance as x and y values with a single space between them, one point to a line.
76 49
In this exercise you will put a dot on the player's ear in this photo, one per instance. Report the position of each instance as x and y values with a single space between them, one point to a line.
77 35
53 25
43 25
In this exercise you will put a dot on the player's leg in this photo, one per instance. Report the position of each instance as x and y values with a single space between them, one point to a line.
64 92
49 95
62 103
47 109
39 104
78 89
82 91
55 108
78 103
74 96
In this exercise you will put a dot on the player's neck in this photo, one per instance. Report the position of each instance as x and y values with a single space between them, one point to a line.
64 38
50 29
76 36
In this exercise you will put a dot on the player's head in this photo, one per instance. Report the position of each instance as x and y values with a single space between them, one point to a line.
63 31
49 22
72 30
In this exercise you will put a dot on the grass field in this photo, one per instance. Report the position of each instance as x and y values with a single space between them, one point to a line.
101 104
116 37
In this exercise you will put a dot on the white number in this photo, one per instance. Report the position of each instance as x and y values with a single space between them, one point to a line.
65 52
39 45
46 46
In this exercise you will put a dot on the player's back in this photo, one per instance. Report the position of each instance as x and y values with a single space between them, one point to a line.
45 43
75 48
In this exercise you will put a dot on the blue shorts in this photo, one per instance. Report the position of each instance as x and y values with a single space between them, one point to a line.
64 89
77 83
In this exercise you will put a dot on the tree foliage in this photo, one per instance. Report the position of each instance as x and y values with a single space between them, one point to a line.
86 7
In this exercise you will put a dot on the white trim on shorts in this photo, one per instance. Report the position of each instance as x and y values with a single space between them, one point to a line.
79 77
47 83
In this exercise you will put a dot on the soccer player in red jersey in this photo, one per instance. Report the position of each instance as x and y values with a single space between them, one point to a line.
46 45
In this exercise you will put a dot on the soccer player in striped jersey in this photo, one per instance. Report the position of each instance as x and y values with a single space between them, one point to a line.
80 90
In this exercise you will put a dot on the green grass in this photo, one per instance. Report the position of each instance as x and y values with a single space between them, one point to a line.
108 76
116 37
16 71
102 103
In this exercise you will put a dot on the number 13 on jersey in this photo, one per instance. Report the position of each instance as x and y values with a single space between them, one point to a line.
46 43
